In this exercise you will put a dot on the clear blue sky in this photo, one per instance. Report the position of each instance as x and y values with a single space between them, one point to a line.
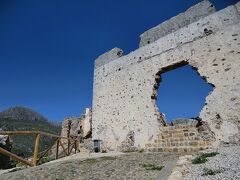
48 47
182 93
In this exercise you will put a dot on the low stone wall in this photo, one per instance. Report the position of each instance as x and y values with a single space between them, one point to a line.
179 139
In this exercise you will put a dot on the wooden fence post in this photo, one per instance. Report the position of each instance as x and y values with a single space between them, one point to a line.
57 149
15 157
75 144
36 148
68 147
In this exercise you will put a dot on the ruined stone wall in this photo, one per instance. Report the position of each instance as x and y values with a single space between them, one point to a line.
124 99
78 126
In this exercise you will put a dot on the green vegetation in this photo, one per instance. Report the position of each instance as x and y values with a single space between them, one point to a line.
108 158
202 158
152 167
90 161
23 145
199 160
130 151
210 172
95 160
211 154
23 119
46 159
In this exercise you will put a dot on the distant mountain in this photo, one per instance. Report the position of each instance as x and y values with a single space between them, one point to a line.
21 113
21 118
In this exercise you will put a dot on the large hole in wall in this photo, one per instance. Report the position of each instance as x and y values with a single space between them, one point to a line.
180 92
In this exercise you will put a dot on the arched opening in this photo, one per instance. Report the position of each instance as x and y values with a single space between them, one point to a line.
180 92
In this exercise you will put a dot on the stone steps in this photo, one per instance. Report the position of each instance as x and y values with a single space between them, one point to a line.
193 138
181 139
180 144
183 149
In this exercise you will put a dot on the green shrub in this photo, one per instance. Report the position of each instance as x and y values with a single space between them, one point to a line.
199 160
108 158
210 172
211 154
202 158
152 167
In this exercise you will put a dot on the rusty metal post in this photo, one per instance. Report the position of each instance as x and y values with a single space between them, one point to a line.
57 149
36 148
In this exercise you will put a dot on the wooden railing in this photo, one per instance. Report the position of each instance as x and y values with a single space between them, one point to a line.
72 143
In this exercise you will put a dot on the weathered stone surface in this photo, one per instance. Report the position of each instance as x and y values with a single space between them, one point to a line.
238 6
128 144
179 139
127 166
71 126
193 14
227 162
87 123
109 56
176 175
123 88
78 126
185 122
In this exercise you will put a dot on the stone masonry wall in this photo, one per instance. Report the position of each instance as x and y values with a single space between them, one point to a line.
193 14
179 139
124 99
78 126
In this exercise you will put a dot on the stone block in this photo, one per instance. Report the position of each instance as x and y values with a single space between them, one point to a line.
193 14
194 143
107 57
184 123
237 5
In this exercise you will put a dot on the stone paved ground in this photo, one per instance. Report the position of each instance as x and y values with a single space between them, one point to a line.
127 166
227 162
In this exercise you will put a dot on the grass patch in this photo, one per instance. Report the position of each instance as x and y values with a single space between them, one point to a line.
95 160
130 151
108 158
199 160
152 167
202 158
212 154
210 172
90 161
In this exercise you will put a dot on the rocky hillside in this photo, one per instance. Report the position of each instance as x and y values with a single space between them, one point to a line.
21 118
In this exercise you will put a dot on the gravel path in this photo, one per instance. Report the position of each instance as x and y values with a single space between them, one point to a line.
127 166
227 162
